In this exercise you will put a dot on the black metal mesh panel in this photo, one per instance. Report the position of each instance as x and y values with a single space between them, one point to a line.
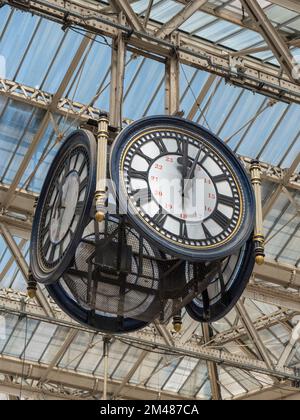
106 292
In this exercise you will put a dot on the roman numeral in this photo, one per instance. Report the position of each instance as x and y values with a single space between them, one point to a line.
82 167
52 252
75 161
46 246
83 184
160 218
183 229
142 196
138 174
161 145
227 201
79 207
180 146
143 156
219 178
220 219
207 233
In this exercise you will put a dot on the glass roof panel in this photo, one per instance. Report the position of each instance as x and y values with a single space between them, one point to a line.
40 340
20 337
180 375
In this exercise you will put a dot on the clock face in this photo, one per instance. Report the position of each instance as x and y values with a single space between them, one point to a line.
64 204
225 288
181 187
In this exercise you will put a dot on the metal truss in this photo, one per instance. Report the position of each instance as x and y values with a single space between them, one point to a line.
245 72
271 36
41 99
222 12
239 333
18 220
83 113
11 302
70 385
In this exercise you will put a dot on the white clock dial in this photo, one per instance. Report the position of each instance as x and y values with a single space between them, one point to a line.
181 188
64 207
62 212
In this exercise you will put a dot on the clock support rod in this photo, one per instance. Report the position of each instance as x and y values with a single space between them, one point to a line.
101 187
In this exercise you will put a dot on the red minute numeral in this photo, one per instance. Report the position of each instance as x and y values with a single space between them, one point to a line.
158 166
169 159
169 206
212 196
158 193
154 178
184 216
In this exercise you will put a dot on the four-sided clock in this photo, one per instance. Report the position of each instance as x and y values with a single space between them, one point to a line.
185 195
183 188
64 207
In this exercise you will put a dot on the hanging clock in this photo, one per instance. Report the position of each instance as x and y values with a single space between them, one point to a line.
225 288
63 207
98 294
183 188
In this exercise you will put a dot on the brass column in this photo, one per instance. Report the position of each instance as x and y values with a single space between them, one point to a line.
259 239
101 186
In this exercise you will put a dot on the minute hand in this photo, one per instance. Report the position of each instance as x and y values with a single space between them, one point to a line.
190 175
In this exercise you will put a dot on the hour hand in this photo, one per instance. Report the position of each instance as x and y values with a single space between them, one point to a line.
183 160
191 173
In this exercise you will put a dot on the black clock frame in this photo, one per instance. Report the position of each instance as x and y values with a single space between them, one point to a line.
177 249
242 273
78 138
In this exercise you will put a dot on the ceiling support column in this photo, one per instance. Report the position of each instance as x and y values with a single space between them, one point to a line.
172 97
117 81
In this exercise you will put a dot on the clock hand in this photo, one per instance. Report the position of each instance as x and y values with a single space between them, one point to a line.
184 167
191 173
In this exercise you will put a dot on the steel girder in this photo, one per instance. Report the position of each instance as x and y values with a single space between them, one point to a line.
246 72
11 302
83 113
271 36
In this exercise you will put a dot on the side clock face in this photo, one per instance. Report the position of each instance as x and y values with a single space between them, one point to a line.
183 187
225 288
63 207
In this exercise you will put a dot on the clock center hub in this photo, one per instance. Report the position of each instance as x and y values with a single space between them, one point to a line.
192 199
64 208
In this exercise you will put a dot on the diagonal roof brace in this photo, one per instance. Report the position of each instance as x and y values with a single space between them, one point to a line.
272 38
